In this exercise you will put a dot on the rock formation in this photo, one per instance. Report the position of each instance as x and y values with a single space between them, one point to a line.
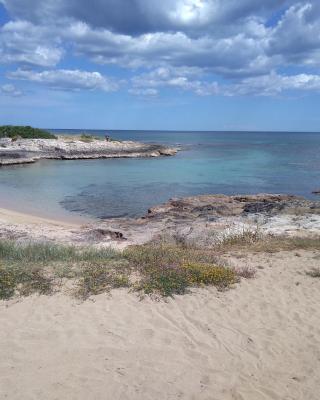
30 150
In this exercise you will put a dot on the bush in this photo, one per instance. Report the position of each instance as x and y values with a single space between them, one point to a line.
7 283
167 269
96 279
161 269
206 274
24 281
84 137
24 132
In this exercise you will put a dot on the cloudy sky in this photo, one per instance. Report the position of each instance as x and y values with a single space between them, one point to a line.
169 64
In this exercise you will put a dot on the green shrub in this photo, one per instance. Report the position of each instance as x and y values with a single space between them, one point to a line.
95 279
24 132
84 137
8 282
167 269
206 274
163 280
24 281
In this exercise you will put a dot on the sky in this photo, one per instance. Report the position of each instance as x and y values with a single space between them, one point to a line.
169 64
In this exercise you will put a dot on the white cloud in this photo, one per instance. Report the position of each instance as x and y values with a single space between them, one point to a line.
10 90
273 84
145 92
228 56
25 43
67 79
140 16
180 78
198 43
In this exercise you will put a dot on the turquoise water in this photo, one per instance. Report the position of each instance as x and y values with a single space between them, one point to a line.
209 162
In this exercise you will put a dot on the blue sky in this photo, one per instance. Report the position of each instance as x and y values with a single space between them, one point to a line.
174 64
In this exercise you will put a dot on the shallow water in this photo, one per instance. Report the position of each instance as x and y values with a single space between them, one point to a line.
209 162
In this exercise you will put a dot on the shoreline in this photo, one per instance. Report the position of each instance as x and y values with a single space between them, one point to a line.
18 217
199 338
27 151
192 219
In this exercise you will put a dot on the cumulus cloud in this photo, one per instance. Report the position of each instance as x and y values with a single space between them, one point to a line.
228 56
63 79
273 84
296 38
185 79
139 16
236 41
23 42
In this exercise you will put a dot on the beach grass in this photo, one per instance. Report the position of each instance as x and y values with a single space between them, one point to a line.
161 268
156 269
84 137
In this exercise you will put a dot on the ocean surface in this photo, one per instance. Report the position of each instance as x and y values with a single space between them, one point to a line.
209 162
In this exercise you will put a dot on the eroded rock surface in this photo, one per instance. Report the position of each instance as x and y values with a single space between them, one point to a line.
30 150
200 219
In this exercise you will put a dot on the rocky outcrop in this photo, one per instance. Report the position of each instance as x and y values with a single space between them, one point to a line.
200 219
30 150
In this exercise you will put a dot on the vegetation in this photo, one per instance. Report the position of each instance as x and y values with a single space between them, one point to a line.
156 269
88 138
24 281
24 132
163 268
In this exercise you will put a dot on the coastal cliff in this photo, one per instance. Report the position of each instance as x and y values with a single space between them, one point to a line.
23 151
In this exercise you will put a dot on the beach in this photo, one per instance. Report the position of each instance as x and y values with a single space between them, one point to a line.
207 297
257 341
159 200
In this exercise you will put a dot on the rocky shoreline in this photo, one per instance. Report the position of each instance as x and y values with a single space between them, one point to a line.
201 219
24 151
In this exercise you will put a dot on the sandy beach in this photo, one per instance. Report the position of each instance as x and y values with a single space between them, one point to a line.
159 200
16 217
257 341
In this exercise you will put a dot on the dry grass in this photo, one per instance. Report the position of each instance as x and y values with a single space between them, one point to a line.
25 281
246 272
169 269
163 268
96 279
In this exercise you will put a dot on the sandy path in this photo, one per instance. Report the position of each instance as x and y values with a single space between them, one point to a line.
258 341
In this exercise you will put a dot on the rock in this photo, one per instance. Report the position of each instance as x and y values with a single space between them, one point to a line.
64 148
317 191
100 234
204 220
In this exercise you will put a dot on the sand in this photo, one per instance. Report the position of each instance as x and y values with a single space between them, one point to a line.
257 341
16 217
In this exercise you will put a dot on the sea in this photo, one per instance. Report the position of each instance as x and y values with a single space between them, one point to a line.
207 163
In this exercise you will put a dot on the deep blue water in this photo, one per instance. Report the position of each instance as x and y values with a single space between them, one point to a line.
209 162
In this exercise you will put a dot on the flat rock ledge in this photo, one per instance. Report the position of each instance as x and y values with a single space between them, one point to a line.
199 219
24 151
